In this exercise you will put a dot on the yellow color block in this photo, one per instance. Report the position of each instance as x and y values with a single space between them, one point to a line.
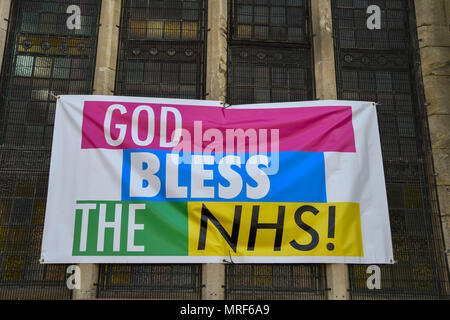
302 229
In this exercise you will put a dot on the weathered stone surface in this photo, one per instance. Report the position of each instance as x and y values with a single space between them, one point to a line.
437 94
323 50
108 41
446 231
4 14
441 159
436 60
430 12
447 10
88 282
439 131
444 200
216 62
430 36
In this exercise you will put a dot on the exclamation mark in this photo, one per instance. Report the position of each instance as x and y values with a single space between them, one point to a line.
331 225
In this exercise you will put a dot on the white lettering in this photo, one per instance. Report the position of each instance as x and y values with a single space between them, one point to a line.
115 225
173 190
374 21
135 126
176 136
107 126
74 21
132 227
199 175
261 178
232 176
143 181
85 207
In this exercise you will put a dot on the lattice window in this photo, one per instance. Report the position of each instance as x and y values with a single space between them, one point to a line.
162 49
162 54
275 282
42 55
380 65
158 281
269 51
269 60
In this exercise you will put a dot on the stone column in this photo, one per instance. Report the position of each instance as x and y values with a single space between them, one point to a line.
325 79
107 47
213 275
216 60
433 27
88 282
105 73
5 6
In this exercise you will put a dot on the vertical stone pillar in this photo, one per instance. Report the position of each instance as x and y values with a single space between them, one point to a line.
5 6
213 275
433 27
88 282
325 79
107 47
216 60
105 72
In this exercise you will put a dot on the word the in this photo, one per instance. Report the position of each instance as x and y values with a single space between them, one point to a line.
114 225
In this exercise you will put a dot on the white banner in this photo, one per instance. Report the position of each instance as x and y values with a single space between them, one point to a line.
149 180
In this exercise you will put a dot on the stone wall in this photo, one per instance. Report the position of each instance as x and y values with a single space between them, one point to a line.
433 27
4 16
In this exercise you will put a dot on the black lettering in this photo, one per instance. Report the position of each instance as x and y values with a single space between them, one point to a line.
255 225
315 236
331 221
207 215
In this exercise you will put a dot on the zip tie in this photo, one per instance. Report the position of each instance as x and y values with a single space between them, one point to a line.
224 105
53 95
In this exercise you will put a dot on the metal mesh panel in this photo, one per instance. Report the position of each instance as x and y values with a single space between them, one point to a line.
275 282
276 67
264 74
162 54
162 49
274 20
380 65
269 60
42 55
143 281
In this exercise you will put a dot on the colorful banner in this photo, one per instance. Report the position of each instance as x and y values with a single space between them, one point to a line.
148 180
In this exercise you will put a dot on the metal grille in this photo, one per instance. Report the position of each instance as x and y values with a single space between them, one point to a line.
158 281
269 52
381 66
265 74
162 54
162 49
269 60
274 20
42 55
275 282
